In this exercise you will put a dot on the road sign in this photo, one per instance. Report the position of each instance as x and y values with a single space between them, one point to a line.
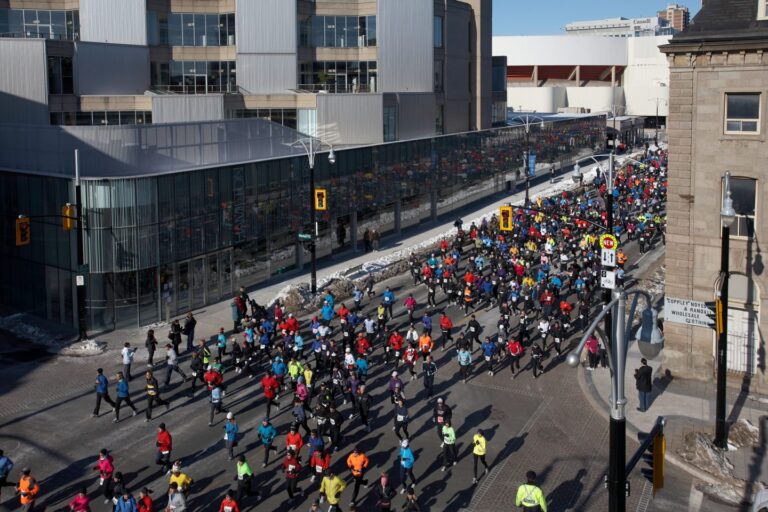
608 257
609 242
305 237
79 280
689 312
532 165
608 279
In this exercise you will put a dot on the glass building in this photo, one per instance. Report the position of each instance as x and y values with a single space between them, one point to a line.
163 239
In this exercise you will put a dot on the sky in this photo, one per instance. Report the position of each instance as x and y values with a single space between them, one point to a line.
546 17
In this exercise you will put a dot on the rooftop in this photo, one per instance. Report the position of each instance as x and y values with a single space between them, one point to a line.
724 21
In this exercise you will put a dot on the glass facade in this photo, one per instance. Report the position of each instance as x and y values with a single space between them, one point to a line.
283 116
194 77
101 118
40 23
190 29
158 246
345 76
337 31
60 79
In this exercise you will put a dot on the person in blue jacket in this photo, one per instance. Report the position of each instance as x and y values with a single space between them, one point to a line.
230 434
280 369
407 460
389 301
102 392
426 321
267 434
489 353
327 312
123 395
126 503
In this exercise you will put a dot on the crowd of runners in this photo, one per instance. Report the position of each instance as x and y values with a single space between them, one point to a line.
541 277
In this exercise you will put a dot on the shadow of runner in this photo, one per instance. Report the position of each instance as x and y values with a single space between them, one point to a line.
513 445
566 495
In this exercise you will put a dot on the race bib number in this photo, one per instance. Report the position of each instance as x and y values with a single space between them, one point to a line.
291 447
318 469
472 329
440 419
291 468
400 418
487 358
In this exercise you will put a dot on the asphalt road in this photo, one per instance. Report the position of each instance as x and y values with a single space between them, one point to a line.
544 424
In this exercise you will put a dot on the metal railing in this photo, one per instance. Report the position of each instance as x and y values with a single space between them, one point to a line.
334 88
53 37
194 89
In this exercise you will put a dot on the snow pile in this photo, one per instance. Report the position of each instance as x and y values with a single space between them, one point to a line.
723 492
743 434
28 327
697 449
84 348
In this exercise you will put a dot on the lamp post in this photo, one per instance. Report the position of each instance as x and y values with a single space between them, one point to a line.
80 286
617 358
727 216
312 146
528 121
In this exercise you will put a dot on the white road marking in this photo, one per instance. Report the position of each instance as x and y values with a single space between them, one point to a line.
696 499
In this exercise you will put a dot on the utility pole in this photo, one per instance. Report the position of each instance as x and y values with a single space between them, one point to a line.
81 276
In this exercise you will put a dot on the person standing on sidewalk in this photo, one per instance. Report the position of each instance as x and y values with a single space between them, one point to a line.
123 395
102 392
127 354
164 444
151 344
153 395
529 495
479 450
189 331
644 384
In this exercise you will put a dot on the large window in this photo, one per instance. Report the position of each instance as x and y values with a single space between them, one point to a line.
438 31
194 77
60 75
100 118
346 76
188 29
390 124
744 195
338 31
283 116
36 23
742 112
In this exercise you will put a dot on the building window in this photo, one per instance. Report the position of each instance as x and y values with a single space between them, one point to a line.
390 124
338 31
438 31
40 24
344 76
60 75
194 77
125 117
283 116
762 9
744 195
742 113
186 29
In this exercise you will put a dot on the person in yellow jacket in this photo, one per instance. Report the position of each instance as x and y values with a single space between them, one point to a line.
478 452
331 488
529 495
181 479
28 490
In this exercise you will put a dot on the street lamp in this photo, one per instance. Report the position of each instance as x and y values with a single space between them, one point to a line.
312 146
727 217
577 175
528 121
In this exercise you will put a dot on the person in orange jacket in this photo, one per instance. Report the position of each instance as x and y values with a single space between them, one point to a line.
445 326
425 344
294 441
357 462
228 504
28 490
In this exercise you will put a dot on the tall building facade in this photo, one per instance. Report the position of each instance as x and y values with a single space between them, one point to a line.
676 16
619 27
348 71
717 123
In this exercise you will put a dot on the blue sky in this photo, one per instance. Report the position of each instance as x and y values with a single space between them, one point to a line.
544 17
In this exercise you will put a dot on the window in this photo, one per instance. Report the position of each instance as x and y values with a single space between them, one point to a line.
744 195
194 77
390 124
762 9
184 29
338 31
742 113
36 23
60 75
101 118
438 31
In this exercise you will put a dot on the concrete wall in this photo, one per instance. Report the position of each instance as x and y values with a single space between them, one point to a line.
561 50
350 118
700 152
110 69
482 60
266 74
113 21
415 115
406 45
23 81
187 108
549 99
646 77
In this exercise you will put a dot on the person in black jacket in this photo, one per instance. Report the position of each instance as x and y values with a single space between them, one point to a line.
384 494
440 415
643 383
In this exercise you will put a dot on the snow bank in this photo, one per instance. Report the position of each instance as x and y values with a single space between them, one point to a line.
28 327
84 348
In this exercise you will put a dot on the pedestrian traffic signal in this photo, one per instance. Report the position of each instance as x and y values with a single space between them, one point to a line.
23 233
654 458
68 217
321 200
505 218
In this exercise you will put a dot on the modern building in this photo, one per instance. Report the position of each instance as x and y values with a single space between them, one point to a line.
717 123
181 215
627 76
349 71
676 16
620 27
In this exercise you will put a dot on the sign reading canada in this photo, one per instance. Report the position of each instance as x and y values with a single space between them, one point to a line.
689 312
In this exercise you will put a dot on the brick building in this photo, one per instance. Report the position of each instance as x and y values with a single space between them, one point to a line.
718 91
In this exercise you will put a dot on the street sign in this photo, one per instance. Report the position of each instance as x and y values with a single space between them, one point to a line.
79 280
608 279
689 312
305 237
609 242
608 257
532 165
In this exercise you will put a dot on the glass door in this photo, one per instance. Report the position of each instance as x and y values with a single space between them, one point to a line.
182 290
197 278
212 276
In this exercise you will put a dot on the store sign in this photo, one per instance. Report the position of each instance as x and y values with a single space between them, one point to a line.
689 312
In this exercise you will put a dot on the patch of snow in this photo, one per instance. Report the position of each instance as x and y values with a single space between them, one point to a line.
25 326
84 348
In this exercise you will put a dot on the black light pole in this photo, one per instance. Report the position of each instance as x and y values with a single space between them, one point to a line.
80 288
527 121
728 215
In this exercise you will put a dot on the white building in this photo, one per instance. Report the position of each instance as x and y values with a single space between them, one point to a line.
619 27
550 73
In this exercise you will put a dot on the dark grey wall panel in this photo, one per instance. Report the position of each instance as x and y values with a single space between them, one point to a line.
187 108
110 69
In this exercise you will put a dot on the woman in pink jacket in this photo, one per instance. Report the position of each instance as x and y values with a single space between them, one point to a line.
80 503
106 467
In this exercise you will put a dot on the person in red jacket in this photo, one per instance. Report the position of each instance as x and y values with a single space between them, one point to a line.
228 504
271 386
145 503
292 468
293 441
164 444
363 345
515 350
394 347
445 326
319 463
212 378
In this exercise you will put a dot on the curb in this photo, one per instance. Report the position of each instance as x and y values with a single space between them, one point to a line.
590 392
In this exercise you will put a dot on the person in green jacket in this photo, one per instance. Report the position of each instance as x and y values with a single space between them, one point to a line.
478 453
331 488
529 495
244 476
450 454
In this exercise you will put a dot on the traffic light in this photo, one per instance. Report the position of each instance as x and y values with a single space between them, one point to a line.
654 458
505 218
321 200
719 320
23 233
68 217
